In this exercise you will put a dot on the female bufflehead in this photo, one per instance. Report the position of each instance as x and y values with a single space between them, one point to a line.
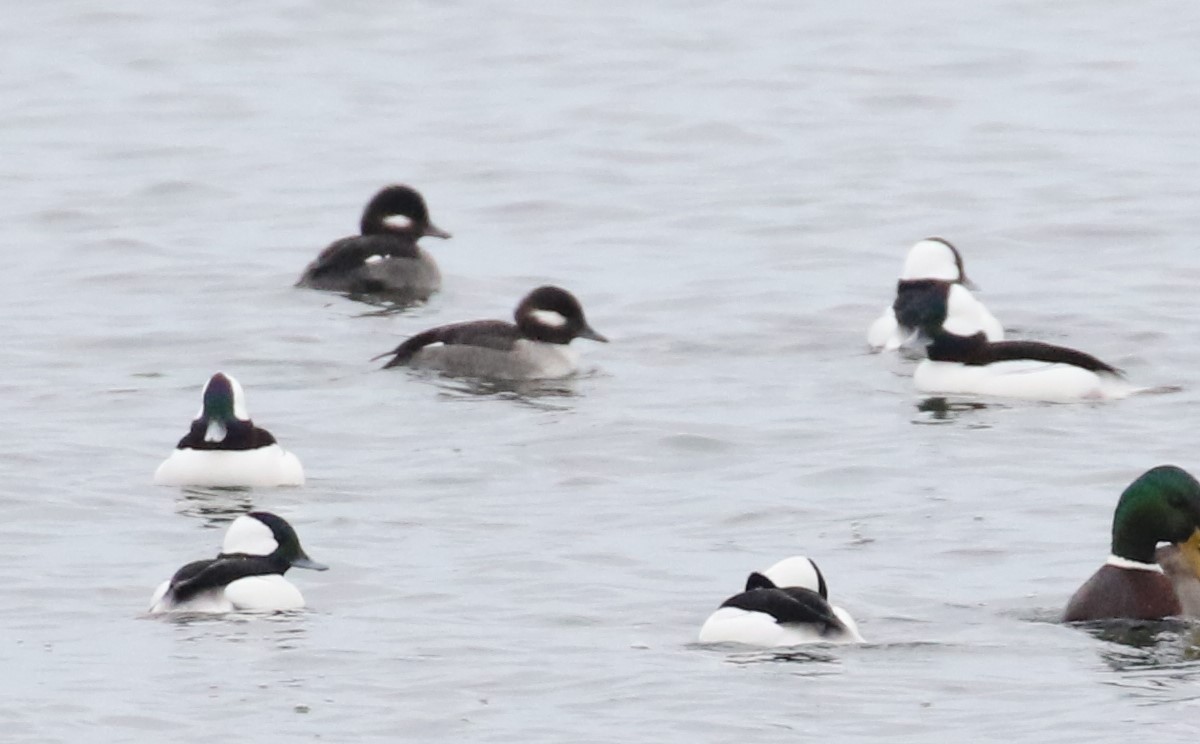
786 605
247 575
963 361
385 258
932 266
534 348
225 448
1163 505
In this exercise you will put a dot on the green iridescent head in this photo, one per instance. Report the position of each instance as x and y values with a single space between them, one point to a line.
1163 505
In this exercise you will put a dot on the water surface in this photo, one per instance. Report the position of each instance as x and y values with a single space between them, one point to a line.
730 190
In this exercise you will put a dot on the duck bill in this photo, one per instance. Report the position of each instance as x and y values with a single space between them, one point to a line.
968 283
303 561
434 231
1190 550
589 333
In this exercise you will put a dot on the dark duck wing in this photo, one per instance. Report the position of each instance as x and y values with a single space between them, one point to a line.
489 334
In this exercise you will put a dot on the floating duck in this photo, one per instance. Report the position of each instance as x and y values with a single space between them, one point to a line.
533 348
224 448
962 361
786 605
385 259
258 550
1163 505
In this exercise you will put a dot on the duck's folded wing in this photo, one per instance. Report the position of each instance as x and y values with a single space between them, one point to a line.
1003 351
351 253
489 334
201 576
792 605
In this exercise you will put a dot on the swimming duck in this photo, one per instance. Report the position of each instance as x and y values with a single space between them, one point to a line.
963 361
1162 505
247 575
385 258
534 348
932 266
224 448
786 605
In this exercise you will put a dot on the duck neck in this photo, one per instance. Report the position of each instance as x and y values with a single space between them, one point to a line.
948 347
1133 545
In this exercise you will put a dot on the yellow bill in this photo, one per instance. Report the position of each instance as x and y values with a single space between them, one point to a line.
1190 551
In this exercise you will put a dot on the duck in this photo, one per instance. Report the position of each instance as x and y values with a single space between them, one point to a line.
1161 506
932 266
786 605
385 258
535 347
962 361
247 575
223 447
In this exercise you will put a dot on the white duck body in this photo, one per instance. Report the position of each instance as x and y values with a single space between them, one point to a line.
271 593
934 259
1024 378
263 467
736 625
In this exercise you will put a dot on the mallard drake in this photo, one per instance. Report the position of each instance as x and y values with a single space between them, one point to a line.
1163 505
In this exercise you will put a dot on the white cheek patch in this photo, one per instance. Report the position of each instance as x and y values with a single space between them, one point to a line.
216 432
372 259
398 221
549 318
249 536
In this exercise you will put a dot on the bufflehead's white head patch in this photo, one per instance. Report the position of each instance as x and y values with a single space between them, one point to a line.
798 571
223 399
549 318
553 315
933 258
265 534
398 221
373 259
249 535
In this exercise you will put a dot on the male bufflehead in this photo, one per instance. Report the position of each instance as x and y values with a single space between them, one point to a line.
932 266
963 361
533 348
247 575
1162 505
786 605
225 448
385 258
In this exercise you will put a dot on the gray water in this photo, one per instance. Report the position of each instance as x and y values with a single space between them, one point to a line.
730 189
